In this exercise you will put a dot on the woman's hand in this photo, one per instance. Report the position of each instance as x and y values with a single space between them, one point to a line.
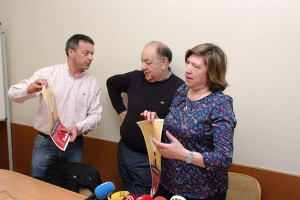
174 150
148 115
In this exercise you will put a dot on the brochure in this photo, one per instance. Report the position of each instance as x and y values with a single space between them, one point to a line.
60 138
153 130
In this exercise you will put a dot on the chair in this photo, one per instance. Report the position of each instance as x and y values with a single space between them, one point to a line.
242 187
85 191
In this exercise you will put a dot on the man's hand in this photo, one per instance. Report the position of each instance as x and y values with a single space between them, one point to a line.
122 115
73 132
37 86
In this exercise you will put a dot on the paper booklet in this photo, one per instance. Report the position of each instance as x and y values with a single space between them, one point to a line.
60 138
153 130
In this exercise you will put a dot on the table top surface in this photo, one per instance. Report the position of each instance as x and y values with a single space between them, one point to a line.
24 187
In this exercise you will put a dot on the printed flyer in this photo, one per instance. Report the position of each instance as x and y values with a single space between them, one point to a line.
60 138
153 130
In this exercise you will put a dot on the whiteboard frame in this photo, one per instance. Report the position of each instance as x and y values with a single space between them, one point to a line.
2 82
7 109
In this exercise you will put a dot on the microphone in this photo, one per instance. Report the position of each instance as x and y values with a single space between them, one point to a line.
118 195
160 198
102 191
177 197
130 197
145 197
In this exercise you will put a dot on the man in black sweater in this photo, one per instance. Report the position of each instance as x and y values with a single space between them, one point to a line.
152 89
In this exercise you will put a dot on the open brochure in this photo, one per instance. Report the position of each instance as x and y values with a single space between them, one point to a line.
153 130
60 138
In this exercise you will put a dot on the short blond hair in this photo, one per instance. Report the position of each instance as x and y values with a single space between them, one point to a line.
216 61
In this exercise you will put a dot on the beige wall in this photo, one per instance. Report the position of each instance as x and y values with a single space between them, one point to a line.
260 37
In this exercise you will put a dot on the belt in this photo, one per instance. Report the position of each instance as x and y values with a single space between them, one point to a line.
46 136
43 135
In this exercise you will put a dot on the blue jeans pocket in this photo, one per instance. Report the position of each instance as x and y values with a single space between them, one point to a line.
40 141
78 142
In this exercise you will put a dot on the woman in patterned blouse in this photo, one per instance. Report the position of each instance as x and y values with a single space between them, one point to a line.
197 140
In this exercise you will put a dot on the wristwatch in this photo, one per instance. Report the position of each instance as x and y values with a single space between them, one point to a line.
190 158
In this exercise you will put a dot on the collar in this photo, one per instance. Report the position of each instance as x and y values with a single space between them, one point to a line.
168 76
67 69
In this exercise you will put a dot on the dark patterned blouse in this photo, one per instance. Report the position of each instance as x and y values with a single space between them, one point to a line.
207 127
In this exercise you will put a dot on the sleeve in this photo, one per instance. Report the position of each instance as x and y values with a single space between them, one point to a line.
94 113
116 85
18 92
223 124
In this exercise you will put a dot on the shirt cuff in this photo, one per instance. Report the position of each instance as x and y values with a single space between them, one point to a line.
80 127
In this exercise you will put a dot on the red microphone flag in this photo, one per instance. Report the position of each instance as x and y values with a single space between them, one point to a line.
145 197
130 197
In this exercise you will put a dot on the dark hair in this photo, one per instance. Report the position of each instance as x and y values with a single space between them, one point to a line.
162 51
216 61
73 42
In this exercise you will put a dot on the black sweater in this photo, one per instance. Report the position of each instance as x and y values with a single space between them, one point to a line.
142 95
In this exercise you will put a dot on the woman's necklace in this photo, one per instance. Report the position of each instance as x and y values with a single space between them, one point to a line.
198 97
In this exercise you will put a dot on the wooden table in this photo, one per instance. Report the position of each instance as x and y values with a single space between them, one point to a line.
25 187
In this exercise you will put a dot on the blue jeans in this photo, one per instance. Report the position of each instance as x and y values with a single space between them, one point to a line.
135 170
46 153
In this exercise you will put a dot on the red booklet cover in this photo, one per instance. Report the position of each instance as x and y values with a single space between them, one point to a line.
59 137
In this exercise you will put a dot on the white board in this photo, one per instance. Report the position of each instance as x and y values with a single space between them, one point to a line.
2 96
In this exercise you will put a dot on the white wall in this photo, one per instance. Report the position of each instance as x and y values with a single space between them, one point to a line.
260 37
